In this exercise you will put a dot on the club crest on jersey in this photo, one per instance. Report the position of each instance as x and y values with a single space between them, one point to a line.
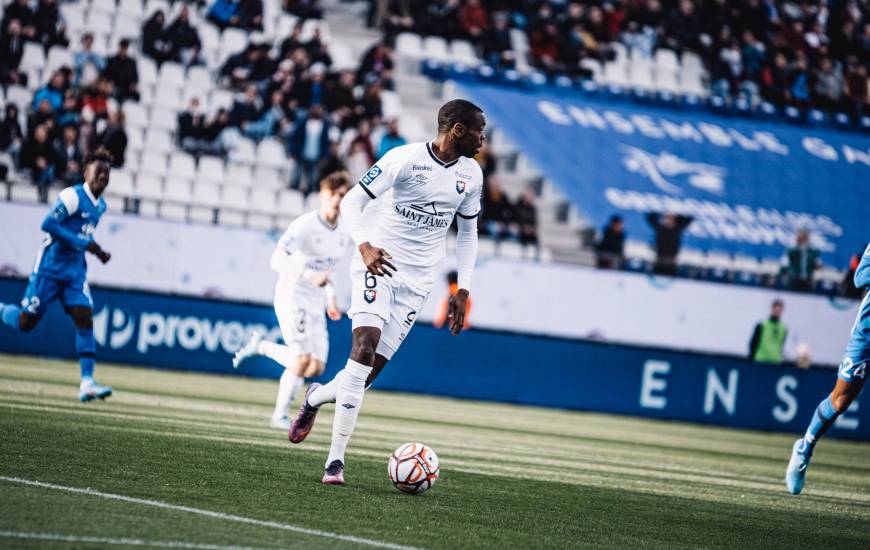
371 175
370 295
460 186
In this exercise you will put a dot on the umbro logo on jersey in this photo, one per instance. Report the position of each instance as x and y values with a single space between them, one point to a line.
422 167
460 186
348 406
370 295
371 175
463 176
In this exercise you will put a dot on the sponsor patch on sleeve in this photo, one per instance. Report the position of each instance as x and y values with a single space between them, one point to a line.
371 175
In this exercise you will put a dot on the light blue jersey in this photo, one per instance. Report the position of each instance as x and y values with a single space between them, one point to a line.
857 353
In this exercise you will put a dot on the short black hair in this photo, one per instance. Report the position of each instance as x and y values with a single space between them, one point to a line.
100 154
457 111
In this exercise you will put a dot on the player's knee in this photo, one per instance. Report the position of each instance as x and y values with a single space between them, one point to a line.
27 322
304 363
363 350
841 402
82 317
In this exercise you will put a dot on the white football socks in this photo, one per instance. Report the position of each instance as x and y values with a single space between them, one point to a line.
287 388
325 393
285 356
349 398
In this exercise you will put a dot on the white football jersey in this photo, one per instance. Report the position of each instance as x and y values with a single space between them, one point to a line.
421 195
314 245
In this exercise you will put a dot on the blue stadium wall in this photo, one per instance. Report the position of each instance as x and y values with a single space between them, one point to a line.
201 334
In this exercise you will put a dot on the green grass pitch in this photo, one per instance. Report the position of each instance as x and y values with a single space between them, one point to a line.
184 460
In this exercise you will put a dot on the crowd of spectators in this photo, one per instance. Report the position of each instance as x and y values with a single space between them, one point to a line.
74 111
808 53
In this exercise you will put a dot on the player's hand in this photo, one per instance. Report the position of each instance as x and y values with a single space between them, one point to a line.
95 249
320 279
376 260
333 312
456 308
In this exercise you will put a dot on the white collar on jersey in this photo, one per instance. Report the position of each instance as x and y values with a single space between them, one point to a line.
90 194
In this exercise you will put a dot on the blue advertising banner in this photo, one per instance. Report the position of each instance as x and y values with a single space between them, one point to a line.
197 334
749 183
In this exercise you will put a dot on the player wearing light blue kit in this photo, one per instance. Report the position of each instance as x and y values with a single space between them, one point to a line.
850 379
60 270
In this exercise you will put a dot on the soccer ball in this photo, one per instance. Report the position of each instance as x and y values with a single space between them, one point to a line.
413 468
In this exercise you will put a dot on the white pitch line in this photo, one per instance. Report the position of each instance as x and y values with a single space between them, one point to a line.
210 514
120 541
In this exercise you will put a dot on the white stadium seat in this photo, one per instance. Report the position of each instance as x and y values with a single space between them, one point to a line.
171 74
167 97
149 187
120 183
20 96
234 198
182 165
135 114
210 169
33 57
263 201
201 214
260 221
435 47
244 152
232 41
199 78
206 195
135 139
267 178
391 104
210 38
177 190
464 52
163 118
59 57
220 99
409 44
231 217
158 141
153 163
99 22
73 14
147 70
271 153
104 7
291 202
238 175
24 192
174 212
132 8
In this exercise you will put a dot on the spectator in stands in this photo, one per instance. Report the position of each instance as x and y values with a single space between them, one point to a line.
473 19
303 9
70 111
317 49
444 304
11 52
394 16
216 139
156 42
443 18
378 63
68 156
292 42
526 213
38 158
191 128
88 63
122 73
309 145
856 91
391 138
114 138
339 99
95 99
225 14
272 118
768 338
372 105
610 249
800 263
185 39
20 11
828 88
668 240
358 160
544 47
333 162
50 28
52 92
498 218
11 136
363 140
310 89
496 42
247 107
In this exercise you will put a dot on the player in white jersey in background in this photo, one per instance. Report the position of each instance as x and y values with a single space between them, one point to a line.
395 265
304 259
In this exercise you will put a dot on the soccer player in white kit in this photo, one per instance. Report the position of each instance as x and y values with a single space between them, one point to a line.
304 259
395 265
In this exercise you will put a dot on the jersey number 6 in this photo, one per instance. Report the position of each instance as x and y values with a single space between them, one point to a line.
371 282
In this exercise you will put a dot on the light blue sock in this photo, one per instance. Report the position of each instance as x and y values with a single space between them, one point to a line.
9 314
823 418
86 346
